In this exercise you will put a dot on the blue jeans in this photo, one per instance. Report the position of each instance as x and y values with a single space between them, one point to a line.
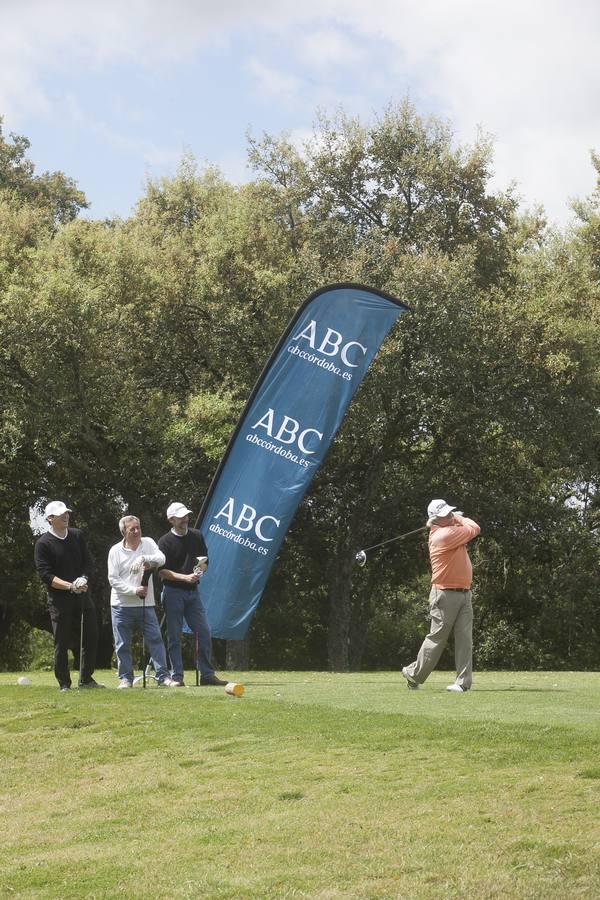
179 603
124 619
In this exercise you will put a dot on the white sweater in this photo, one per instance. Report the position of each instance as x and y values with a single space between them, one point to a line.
122 581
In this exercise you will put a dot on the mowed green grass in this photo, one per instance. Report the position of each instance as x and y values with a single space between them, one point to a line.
310 785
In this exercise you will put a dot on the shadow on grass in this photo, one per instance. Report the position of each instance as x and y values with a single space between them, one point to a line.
402 683
520 690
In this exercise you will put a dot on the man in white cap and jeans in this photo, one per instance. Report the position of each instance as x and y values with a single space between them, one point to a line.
64 564
450 598
183 548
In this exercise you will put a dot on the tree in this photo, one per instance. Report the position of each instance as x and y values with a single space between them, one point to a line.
51 192
30 209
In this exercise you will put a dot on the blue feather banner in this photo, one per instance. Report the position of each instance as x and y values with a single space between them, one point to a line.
281 439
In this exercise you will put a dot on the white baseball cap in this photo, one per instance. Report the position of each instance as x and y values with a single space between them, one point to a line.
179 510
437 509
56 508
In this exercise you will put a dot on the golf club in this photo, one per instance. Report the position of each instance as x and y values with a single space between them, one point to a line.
79 583
144 641
198 570
81 646
361 556
145 666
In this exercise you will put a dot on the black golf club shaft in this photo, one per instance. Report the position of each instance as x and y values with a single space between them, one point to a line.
81 645
397 538
145 583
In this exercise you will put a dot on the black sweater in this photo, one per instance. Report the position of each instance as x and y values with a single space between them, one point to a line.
67 559
181 554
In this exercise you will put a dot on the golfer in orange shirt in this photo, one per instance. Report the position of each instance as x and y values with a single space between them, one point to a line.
450 598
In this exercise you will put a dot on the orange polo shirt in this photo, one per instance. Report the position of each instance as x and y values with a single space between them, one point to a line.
450 563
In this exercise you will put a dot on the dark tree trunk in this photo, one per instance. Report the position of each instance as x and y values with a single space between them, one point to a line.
359 628
105 646
237 655
340 615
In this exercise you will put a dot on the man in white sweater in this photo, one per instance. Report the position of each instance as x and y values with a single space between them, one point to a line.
132 600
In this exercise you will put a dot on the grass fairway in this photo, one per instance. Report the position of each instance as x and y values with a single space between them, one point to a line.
311 785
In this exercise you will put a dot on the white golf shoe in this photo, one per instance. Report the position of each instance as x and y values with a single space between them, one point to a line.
456 688
124 683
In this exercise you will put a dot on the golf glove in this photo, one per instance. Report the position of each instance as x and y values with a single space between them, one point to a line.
79 583
198 570
137 565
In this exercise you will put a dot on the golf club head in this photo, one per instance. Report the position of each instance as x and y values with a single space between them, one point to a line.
361 558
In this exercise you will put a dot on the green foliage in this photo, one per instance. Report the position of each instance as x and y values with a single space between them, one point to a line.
42 650
15 647
204 426
399 621
589 214
503 646
51 192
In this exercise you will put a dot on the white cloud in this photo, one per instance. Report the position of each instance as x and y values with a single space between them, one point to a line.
327 47
524 72
150 153
271 82
234 166
300 137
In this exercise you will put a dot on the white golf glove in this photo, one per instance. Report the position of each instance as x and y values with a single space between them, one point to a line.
137 565
79 583
198 568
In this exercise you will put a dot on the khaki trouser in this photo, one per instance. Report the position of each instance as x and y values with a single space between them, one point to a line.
448 610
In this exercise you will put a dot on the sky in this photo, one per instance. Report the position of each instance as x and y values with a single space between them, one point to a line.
113 92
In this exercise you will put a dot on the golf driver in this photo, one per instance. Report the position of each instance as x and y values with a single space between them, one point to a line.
361 556
77 584
198 570
145 666
81 647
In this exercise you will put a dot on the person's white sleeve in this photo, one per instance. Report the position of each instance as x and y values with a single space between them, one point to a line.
152 555
114 576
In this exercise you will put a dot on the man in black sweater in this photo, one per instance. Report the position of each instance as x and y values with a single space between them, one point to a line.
185 551
64 564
